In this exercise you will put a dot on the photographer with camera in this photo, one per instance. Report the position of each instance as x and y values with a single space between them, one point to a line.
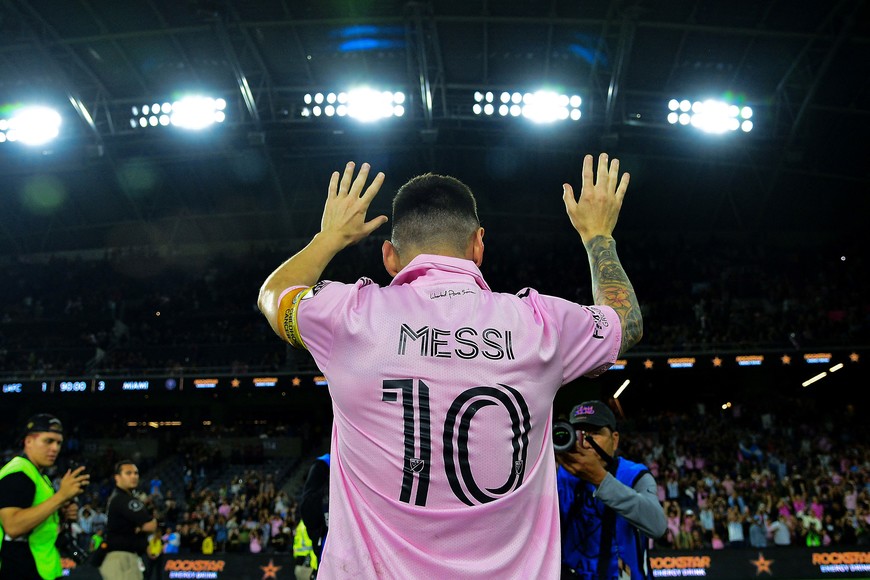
128 527
30 508
608 504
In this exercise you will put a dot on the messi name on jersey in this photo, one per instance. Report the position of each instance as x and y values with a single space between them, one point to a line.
465 342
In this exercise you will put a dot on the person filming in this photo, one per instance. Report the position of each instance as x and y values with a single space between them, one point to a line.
608 504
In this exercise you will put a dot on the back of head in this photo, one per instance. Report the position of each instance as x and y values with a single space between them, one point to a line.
434 213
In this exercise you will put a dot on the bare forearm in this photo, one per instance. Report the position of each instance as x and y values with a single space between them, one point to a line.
303 269
21 521
611 287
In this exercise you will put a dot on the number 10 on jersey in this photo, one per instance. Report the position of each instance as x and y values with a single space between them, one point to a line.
417 437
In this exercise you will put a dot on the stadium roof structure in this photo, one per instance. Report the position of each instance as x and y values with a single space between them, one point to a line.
803 67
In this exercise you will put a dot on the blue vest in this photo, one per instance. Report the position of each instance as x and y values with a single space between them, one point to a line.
582 515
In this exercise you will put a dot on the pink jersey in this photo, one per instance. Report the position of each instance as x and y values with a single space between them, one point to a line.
442 464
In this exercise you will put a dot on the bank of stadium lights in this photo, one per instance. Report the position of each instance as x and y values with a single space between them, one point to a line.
363 104
710 116
35 125
538 107
192 113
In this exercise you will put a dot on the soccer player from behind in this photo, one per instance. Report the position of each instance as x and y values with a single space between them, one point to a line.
442 463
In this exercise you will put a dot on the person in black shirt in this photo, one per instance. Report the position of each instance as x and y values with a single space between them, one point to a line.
128 527
314 505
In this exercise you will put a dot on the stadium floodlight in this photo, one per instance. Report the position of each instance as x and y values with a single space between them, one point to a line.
363 104
194 112
33 125
366 105
710 116
542 106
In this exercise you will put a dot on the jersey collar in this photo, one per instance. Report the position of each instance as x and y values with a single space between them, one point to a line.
424 263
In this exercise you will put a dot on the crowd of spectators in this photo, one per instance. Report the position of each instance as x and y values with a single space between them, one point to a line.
134 311
762 476
741 479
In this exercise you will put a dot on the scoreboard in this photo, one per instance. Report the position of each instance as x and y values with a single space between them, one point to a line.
145 385
801 368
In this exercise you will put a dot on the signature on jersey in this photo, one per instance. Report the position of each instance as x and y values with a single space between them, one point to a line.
449 293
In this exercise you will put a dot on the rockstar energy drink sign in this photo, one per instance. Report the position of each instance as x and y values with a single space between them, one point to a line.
833 562
198 569
680 566
230 567
792 563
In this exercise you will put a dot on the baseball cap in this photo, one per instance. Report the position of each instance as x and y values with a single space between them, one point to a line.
593 413
43 422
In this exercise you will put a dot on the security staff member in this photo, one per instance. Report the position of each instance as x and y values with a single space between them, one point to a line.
128 526
303 554
30 509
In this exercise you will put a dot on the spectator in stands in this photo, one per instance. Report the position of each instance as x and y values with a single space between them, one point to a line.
208 543
154 556
781 530
255 546
758 532
221 534
171 541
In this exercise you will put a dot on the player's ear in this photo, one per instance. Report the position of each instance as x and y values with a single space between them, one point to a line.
474 252
392 261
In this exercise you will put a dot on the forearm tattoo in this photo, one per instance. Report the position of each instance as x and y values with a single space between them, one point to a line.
611 287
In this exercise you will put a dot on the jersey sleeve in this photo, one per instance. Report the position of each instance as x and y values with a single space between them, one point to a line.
589 336
16 490
309 316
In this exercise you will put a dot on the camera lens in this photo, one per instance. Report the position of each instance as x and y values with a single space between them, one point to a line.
564 437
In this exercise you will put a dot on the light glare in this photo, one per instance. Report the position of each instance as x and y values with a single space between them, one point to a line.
194 113
34 125
367 105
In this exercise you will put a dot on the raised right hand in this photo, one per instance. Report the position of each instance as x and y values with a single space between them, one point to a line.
344 216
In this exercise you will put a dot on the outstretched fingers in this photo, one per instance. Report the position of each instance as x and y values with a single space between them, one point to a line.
360 180
588 174
344 186
603 174
372 190
333 185
623 187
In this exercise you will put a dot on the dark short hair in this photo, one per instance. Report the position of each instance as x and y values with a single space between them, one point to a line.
122 463
432 210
